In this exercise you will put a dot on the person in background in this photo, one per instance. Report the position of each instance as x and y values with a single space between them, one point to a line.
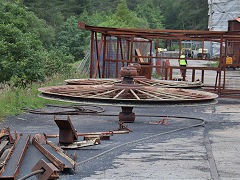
183 63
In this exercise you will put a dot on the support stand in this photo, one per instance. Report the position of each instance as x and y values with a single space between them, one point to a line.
67 133
126 116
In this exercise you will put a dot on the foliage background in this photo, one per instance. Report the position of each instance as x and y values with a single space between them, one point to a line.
40 38
40 43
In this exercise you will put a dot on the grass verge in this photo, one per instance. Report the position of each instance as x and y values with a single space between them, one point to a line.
12 100
213 64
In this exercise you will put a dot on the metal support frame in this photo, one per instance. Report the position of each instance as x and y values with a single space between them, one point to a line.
131 36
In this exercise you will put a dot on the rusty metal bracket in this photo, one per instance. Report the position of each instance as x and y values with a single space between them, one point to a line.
123 126
163 121
50 171
15 156
54 154
10 136
67 133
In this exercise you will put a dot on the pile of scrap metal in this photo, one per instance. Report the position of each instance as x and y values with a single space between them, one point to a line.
6 143
68 136
71 110
12 150
12 153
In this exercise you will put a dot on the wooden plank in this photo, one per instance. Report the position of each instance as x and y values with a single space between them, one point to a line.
81 144
139 54
3 132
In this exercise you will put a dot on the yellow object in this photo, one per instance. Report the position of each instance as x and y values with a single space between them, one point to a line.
182 61
229 60
160 49
182 56
204 51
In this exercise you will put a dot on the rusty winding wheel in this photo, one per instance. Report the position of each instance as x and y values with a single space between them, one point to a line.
92 81
126 94
137 80
133 94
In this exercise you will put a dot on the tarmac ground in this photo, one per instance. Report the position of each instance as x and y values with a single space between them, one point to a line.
174 151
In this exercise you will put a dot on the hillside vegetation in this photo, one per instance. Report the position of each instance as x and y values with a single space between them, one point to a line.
40 40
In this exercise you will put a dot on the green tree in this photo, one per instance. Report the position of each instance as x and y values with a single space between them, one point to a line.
71 40
132 4
151 13
185 14
22 55
123 17
50 11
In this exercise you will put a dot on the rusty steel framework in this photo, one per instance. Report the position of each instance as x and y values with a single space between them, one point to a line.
117 47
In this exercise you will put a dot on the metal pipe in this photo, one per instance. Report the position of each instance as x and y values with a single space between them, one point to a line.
32 174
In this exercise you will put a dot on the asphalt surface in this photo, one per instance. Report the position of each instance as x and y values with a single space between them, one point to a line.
210 152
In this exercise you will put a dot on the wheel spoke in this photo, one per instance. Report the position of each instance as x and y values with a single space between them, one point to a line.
104 93
134 94
148 94
119 94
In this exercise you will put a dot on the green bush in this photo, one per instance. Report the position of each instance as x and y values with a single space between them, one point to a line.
23 58
54 62
71 40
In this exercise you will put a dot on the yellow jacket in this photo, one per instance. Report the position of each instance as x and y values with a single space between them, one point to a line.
182 61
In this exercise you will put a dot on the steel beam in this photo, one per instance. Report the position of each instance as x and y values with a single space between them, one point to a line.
11 168
52 153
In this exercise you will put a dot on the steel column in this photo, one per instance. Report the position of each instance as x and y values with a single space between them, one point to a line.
98 49
91 56
104 54
131 53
